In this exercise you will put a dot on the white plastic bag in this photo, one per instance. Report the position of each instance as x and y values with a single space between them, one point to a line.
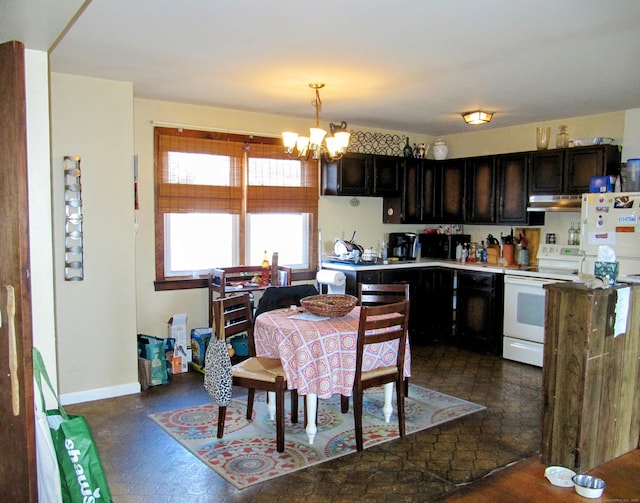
49 489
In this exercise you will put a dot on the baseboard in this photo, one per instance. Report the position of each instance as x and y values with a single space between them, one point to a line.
100 393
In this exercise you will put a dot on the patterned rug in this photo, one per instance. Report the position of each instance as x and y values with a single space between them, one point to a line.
247 454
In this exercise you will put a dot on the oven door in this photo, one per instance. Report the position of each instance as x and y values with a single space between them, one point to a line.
524 299
524 303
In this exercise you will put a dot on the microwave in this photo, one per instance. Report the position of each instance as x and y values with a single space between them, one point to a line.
441 245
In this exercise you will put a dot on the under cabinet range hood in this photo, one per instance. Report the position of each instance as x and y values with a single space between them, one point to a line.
555 202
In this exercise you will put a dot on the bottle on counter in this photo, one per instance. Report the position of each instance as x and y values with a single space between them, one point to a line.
472 254
265 270
384 257
465 254
459 252
484 255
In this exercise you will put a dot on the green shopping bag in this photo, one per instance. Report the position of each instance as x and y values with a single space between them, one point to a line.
82 476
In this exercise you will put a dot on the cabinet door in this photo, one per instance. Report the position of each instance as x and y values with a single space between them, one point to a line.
512 189
387 177
354 176
581 165
428 192
479 311
451 191
434 301
349 176
547 172
481 174
411 211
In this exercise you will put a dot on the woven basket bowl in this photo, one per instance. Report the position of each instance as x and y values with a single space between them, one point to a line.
330 305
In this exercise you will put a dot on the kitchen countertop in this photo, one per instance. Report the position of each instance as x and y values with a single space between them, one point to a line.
451 264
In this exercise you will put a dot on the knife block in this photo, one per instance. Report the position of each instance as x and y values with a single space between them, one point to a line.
493 254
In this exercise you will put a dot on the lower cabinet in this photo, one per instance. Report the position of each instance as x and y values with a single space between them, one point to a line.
478 306
435 308
479 311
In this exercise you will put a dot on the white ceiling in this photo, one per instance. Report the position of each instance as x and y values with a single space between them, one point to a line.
411 66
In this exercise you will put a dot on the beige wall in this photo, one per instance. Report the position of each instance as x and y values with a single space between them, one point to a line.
40 234
95 318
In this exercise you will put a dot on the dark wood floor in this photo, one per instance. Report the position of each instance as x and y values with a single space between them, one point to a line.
524 482
461 460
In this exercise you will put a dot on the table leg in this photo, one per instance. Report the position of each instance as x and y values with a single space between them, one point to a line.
312 407
387 408
271 404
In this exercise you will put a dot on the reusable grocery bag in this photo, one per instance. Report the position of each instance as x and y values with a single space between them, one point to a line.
82 476
49 490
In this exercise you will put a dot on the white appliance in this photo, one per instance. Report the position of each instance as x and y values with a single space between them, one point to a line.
524 301
611 219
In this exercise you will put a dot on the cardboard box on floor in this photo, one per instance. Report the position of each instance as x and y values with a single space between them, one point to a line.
177 329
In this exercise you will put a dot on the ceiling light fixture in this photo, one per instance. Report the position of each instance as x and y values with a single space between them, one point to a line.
477 117
303 146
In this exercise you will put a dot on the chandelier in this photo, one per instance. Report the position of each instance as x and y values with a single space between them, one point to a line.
304 146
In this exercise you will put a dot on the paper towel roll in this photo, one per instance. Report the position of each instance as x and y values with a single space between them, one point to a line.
335 280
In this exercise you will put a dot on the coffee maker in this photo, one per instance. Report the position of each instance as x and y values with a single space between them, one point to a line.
402 245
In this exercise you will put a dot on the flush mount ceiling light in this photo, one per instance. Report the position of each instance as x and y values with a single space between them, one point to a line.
303 146
477 117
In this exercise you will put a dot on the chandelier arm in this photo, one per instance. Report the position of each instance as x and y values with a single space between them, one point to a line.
317 103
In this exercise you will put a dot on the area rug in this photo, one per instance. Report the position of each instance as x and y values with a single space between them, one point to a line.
247 454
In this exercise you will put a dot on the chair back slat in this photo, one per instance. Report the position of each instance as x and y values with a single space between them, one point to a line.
372 294
232 316
382 323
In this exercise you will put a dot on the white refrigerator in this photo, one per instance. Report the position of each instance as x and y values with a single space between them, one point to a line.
611 219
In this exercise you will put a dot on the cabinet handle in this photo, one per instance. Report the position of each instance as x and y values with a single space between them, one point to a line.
13 354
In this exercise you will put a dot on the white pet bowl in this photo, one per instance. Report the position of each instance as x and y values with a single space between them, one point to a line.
588 486
559 476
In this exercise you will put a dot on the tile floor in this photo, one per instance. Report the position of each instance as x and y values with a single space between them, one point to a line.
144 464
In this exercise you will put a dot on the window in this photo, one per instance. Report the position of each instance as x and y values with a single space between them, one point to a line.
222 200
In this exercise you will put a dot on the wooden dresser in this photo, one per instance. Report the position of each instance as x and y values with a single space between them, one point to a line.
591 376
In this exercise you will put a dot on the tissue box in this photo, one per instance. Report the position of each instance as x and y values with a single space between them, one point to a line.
607 270
602 184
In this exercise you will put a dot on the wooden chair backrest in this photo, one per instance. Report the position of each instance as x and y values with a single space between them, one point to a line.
372 294
232 316
383 323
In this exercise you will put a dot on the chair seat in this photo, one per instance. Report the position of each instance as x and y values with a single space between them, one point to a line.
371 374
259 368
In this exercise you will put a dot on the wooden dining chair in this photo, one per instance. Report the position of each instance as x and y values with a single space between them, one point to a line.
233 316
383 323
372 294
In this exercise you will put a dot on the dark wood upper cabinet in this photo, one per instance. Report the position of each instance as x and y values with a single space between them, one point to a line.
547 172
481 179
451 191
583 163
569 171
362 175
387 176
349 176
512 190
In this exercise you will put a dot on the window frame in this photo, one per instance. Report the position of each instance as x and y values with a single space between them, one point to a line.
248 199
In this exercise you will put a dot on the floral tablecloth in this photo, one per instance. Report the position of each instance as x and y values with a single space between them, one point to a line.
319 354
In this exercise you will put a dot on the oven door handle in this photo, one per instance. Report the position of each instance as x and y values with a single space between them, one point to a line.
522 280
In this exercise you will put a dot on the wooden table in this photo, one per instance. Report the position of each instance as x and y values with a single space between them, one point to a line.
319 355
